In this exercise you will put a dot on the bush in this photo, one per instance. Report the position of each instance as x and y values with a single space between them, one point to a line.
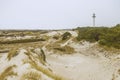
112 37
105 36
66 35
91 34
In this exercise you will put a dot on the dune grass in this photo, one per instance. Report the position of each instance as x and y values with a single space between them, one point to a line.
57 48
42 69
21 41
4 51
12 53
34 58
32 75
66 35
8 72
46 71
64 49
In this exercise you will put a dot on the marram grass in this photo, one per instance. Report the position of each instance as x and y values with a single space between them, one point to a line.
32 75
42 69
8 72
13 52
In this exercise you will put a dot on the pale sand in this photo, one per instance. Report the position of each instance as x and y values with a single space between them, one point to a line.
80 67
87 63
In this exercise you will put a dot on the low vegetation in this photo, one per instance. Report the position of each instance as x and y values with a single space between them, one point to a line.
105 36
40 55
12 53
4 51
33 62
31 76
65 49
66 35
46 71
8 72
22 41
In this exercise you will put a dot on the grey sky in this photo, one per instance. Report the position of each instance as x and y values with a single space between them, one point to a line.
56 14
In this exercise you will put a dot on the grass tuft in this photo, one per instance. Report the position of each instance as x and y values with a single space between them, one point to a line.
8 72
65 49
12 53
32 61
31 76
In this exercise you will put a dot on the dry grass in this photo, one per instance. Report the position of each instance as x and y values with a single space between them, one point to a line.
66 49
40 55
21 45
8 72
46 71
60 49
4 51
34 56
31 76
62 41
40 68
22 41
56 37
2 46
56 48
110 50
113 77
69 49
12 53
52 46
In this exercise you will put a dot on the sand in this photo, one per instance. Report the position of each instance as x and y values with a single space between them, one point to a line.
88 62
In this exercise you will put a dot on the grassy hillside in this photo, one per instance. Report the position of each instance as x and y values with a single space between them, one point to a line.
105 36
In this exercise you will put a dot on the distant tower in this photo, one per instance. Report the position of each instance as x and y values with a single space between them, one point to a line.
94 16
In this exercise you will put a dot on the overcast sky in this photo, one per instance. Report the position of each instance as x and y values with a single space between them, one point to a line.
57 14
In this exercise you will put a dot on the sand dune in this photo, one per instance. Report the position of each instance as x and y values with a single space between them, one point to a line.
88 61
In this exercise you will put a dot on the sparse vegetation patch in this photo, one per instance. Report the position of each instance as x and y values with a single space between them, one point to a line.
31 76
8 72
12 53
66 35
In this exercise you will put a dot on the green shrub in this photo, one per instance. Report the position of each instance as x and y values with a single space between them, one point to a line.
111 38
105 36
90 33
66 35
